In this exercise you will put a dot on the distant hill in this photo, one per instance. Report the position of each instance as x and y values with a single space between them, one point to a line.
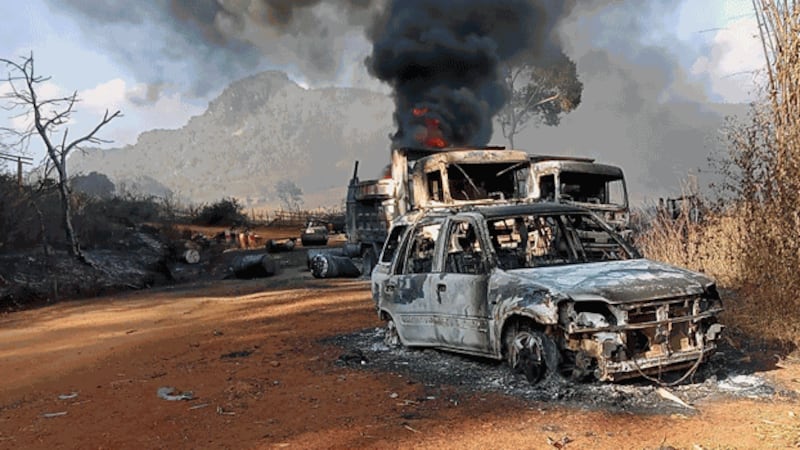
260 130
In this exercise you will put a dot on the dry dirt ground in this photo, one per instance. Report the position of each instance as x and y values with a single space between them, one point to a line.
294 362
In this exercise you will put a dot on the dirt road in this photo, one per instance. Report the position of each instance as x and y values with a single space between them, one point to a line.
258 358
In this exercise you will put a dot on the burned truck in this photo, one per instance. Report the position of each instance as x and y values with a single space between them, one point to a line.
530 284
421 178
582 181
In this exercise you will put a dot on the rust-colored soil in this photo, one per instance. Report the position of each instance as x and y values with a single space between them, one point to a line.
116 352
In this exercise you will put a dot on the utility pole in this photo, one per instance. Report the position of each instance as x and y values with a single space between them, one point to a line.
20 161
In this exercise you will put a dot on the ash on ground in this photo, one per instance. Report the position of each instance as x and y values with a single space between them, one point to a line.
728 373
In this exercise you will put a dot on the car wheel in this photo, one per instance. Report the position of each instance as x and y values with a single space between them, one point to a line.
532 353
391 338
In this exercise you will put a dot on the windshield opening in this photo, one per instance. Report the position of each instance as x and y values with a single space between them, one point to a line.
592 188
498 181
527 241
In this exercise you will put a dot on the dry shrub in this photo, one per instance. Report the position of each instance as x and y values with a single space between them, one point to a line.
711 245
16 219
749 241
105 222
29 216
226 212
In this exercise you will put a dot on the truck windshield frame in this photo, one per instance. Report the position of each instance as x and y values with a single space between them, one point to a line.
593 188
481 181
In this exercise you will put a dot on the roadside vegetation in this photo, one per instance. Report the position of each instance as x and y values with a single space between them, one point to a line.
747 235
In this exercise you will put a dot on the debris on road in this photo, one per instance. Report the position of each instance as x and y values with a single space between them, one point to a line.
667 395
222 412
325 265
237 354
313 252
407 427
560 443
169 393
55 414
353 356
258 265
69 396
281 245
722 376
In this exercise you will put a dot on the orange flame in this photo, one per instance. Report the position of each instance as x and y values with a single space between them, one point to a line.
419 112
432 136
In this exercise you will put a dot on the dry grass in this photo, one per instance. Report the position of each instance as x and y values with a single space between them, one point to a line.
738 250
751 245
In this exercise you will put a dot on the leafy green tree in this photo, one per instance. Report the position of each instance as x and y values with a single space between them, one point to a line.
538 93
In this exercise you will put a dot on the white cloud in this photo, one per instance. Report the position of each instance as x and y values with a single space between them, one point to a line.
733 62
169 110
144 107
110 95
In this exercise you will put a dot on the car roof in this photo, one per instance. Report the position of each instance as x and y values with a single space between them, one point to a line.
529 208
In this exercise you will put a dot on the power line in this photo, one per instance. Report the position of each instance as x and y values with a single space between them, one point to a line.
21 160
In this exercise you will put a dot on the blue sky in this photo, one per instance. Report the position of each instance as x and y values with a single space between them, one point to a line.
715 38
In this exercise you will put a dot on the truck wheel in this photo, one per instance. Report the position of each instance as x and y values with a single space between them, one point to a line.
532 353
367 261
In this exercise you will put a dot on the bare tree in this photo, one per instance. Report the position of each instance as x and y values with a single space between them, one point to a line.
290 194
47 118
538 93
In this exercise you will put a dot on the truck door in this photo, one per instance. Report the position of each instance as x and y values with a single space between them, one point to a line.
459 301
407 291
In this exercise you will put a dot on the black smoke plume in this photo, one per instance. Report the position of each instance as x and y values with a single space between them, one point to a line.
213 42
444 57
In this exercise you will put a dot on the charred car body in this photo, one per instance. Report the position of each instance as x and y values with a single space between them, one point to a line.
548 287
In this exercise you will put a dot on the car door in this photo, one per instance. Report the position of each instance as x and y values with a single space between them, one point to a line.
461 311
407 290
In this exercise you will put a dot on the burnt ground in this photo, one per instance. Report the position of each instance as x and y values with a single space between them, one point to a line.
145 257
277 363
730 373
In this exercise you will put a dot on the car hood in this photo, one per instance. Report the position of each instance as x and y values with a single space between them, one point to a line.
617 281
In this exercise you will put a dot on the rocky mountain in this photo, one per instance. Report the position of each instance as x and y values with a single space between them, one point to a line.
260 130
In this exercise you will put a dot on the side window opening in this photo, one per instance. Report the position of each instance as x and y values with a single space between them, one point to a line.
419 258
464 252
434 180
392 244
547 187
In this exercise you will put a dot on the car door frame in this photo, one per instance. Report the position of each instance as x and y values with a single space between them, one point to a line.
461 311
406 296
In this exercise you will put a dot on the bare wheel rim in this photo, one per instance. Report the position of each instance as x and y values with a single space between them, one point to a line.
526 355
527 344
391 338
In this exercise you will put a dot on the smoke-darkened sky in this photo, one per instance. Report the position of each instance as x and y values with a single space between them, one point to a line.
651 70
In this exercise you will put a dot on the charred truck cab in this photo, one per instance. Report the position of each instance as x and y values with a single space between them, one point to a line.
582 182
421 178
531 284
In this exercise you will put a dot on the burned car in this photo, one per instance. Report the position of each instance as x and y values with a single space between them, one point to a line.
548 287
